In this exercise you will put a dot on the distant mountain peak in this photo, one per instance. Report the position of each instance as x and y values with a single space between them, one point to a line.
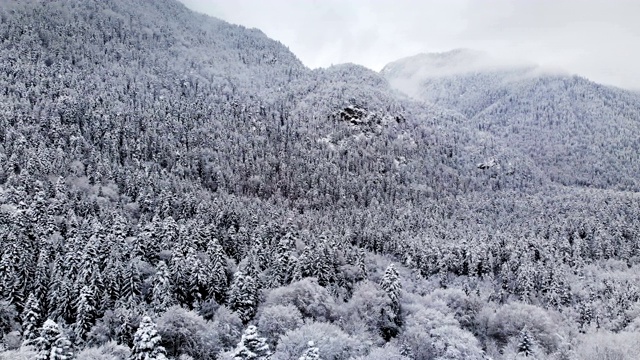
446 58
408 73
451 62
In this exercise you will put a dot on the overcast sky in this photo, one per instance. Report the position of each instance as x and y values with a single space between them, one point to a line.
599 39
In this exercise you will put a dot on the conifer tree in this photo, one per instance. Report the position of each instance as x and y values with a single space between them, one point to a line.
146 342
162 293
361 263
62 295
251 346
85 313
585 314
131 285
180 275
216 270
284 263
197 282
304 267
168 233
525 344
52 344
30 320
243 296
42 278
113 282
312 352
8 268
391 285
324 266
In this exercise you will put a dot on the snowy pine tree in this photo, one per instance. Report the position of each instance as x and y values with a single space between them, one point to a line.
85 313
585 312
304 266
251 346
146 342
30 320
243 296
162 295
216 270
391 285
198 278
52 344
525 344
312 352
361 263
131 286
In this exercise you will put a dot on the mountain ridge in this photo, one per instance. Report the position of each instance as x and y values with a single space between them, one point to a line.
563 117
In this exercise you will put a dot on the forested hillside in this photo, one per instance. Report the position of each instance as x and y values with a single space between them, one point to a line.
173 186
578 132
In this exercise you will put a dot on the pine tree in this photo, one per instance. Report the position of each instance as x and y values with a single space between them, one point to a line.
85 313
131 282
325 266
525 345
30 320
42 278
197 282
304 266
180 275
162 295
63 294
585 312
243 296
146 342
113 282
216 270
9 269
312 352
149 240
284 263
361 263
251 346
52 344
168 232
391 285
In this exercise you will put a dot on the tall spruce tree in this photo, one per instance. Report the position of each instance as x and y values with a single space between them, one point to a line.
525 343
243 296
146 342
52 344
312 352
30 320
216 270
162 291
391 285
85 313
251 346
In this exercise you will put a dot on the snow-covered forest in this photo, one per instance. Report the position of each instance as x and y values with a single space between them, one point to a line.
176 187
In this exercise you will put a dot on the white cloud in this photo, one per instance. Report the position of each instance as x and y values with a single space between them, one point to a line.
594 38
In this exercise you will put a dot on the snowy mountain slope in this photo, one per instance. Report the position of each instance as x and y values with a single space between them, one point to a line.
576 131
158 39
169 175
412 75
145 84
579 132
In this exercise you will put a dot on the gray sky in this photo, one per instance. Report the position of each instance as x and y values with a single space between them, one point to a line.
599 39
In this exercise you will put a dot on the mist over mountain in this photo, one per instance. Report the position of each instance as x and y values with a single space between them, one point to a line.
175 186
576 131
409 74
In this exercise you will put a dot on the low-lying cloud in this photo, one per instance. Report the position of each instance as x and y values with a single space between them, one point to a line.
594 38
